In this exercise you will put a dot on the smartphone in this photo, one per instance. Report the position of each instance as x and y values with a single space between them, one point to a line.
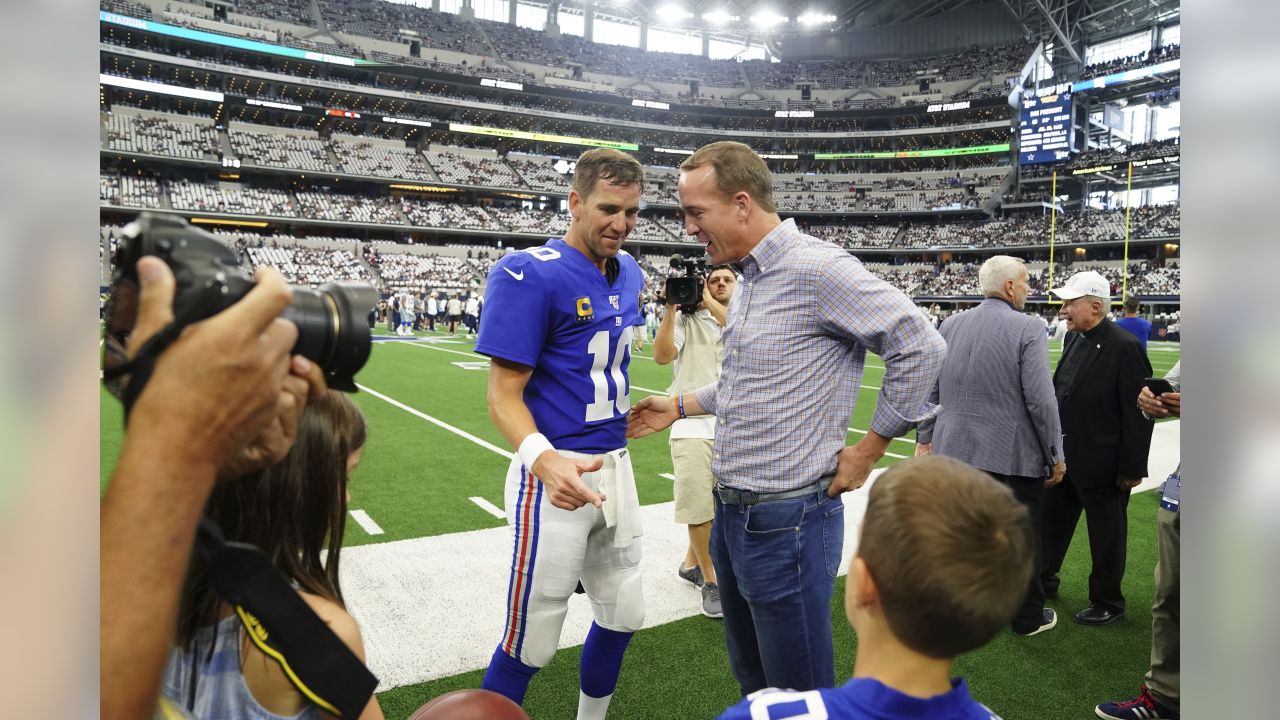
1158 386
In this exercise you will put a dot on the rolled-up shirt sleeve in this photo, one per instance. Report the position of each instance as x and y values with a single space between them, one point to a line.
706 396
859 305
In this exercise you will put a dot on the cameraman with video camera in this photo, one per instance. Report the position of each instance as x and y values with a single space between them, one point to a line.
690 335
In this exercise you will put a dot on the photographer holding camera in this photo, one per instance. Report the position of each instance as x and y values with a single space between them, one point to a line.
691 338
214 367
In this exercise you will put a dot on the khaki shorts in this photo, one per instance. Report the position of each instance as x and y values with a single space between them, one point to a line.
691 458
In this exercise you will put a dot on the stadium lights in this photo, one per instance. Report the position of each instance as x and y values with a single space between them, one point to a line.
767 19
673 13
719 17
813 18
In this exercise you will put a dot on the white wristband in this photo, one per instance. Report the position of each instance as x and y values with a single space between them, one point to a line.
531 447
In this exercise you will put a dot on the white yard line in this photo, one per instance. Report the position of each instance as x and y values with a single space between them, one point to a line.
437 422
489 507
366 522
668 476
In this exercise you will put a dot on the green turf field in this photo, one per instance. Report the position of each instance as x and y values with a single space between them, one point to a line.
416 477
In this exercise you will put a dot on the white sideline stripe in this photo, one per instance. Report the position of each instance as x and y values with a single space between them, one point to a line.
489 507
426 346
366 522
434 607
668 476
886 452
439 423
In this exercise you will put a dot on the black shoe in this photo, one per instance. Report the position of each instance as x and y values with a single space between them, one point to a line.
1048 620
1098 615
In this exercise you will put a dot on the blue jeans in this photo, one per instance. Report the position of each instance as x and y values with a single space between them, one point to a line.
777 563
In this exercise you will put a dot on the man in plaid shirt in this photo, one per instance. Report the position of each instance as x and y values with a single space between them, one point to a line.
799 328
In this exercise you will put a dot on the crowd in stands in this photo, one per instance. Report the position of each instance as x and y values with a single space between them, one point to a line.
1142 59
126 7
392 270
854 236
227 198
347 208
162 136
428 213
472 169
537 222
306 265
1010 231
961 279
280 150
1033 229
297 12
384 20
364 158
538 174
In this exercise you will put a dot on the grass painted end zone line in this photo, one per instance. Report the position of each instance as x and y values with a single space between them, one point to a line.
362 518
489 507
438 423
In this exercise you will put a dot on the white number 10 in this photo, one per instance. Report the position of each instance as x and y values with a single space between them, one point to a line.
603 408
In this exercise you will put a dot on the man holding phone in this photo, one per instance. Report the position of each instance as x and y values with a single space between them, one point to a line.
1160 694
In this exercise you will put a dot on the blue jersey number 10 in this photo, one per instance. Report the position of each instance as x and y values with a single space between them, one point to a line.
603 408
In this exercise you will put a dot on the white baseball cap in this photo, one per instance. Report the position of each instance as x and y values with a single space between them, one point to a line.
1089 282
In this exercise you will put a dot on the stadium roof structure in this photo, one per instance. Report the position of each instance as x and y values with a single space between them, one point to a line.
1068 22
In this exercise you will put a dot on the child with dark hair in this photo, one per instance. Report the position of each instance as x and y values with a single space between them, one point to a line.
942 565
295 512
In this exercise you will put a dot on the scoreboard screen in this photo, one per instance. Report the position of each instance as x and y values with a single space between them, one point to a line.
1044 133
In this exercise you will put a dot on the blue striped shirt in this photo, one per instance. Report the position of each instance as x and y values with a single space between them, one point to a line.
799 328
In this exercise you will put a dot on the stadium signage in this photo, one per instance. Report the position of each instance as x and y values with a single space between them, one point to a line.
1135 163
793 113
405 121
541 137
161 88
673 151
943 107
651 104
276 105
1157 161
490 82
939 152
228 40
1093 170
1126 76
335 112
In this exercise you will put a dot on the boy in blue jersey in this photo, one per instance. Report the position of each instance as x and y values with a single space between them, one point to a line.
942 565
557 326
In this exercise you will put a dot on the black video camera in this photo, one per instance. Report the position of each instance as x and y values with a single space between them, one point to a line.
686 290
332 326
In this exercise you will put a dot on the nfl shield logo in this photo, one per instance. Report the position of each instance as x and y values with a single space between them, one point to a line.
613 300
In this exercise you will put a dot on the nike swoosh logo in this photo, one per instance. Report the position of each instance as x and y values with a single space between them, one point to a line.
517 276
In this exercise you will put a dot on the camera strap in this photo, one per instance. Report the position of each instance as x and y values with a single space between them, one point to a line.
281 624
142 364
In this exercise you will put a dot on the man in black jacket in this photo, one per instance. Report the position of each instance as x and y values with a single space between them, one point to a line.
1106 440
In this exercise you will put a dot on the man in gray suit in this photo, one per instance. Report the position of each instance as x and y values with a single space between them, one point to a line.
999 412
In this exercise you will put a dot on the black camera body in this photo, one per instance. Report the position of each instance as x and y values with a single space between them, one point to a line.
332 327
686 290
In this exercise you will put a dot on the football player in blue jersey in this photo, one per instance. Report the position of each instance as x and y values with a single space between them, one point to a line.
942 565
557 327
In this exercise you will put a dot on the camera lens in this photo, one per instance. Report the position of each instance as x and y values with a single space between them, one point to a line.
333 329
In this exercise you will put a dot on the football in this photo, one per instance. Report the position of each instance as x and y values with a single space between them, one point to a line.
470 704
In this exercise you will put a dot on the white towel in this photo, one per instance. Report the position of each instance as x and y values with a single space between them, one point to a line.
622 503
